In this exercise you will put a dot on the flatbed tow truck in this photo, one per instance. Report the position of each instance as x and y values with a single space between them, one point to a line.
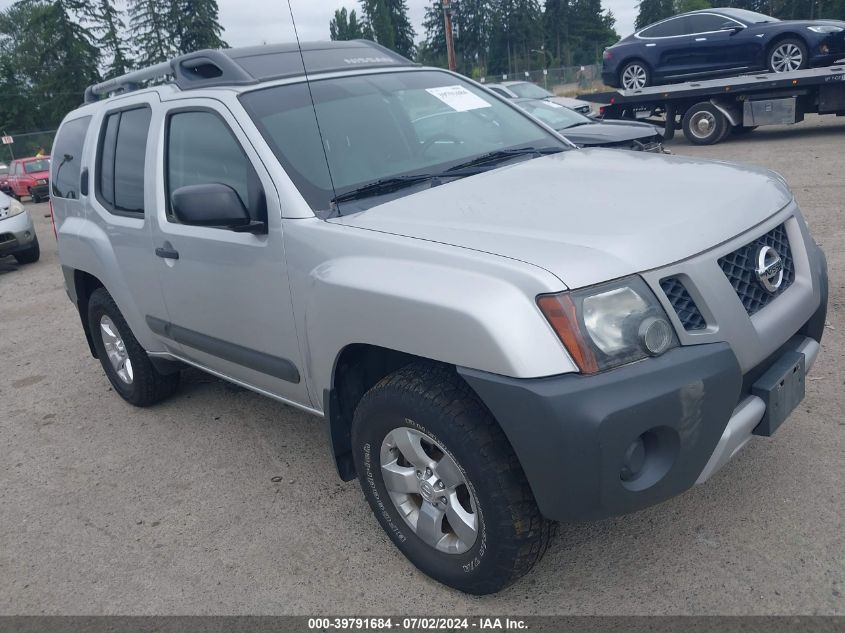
708 111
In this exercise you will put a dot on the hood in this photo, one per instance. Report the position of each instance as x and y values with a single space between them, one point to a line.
609 132
569 102
821 22
589 215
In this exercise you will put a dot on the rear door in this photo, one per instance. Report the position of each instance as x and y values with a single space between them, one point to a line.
669 44
227 293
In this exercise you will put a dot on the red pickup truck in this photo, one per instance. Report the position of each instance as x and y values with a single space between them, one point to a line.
30 177
4 179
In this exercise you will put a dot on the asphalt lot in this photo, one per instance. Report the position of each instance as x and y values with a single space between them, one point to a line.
109 509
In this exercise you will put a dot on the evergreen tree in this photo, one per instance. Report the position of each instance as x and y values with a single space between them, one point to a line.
556 31
195 25
403 31
387 22
109 28
345 27
154 36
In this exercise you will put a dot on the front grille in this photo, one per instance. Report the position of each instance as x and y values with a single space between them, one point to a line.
6 237
688 313
739 267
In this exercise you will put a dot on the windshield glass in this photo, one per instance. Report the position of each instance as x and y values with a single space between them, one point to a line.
528 90
33 166
553 115
383 126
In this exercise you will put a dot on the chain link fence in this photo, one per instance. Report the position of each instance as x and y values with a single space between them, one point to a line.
27 144
566 81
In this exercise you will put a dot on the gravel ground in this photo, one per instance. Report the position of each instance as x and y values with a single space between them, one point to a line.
108 509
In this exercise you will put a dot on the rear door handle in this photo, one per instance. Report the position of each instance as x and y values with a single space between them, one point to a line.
701 39
167 251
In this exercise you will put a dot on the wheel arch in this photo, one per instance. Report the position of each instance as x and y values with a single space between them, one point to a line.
629 60
780 37
357 368
83 286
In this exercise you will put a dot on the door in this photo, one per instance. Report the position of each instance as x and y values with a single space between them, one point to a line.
717 48
15 177
121 206
669 44
226 292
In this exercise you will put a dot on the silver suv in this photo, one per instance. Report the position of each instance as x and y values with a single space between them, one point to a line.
499 331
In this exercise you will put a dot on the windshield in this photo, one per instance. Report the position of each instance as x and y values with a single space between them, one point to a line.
553 115
33 166
381 126
528 90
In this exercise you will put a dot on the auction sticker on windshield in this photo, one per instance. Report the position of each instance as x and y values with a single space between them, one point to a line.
458 98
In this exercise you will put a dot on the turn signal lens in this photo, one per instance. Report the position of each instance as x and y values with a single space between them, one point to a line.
561 313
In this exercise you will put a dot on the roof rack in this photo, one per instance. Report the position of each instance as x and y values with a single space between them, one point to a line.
252 65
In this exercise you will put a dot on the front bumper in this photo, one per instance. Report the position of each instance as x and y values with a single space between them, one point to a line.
16 234
40 191
693 408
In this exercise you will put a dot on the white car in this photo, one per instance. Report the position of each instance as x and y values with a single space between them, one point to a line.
17 234
527 90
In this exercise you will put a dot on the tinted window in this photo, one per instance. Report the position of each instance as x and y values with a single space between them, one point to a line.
68 152
669 28
105 161
201 150
129 160
707 23
120 164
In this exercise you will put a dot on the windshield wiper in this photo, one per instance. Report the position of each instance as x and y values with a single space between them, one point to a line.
503 154
382 185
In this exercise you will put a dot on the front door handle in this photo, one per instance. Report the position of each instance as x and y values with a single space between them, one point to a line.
701 39
167 251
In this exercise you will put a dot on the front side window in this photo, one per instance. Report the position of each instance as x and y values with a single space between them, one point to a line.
384 126
121 160
527 90
35 166
68 152
708 23
202 150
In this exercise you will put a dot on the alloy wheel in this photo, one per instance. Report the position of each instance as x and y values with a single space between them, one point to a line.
634 76
429 490
788 56
116 350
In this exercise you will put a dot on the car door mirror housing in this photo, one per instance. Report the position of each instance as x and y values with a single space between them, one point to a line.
733 27
212 204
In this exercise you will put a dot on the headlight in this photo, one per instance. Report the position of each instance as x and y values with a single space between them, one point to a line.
609 325
825 29
15 208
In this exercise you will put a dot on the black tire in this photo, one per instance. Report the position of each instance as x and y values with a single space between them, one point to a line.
148 386
646 73
512 535
786 43
30 255
33 197
704 124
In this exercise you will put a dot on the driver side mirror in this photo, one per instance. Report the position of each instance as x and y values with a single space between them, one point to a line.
732 27
214 205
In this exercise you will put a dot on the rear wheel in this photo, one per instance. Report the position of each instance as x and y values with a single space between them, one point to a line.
30 255
125 362
634 75
704 124
788 54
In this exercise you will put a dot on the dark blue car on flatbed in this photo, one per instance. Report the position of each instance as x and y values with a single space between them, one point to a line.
720 42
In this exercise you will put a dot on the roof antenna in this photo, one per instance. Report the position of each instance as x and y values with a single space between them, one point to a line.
333 207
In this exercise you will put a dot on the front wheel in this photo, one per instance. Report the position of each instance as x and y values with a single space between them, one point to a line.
787 55
125 362
443 481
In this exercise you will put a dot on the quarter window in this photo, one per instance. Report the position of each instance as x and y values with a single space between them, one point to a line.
121 160
67 165
202 150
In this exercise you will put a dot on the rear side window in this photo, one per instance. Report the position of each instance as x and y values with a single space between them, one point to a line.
67 158
121 160
669 28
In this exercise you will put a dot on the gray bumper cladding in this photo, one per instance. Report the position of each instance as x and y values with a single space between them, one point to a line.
596 446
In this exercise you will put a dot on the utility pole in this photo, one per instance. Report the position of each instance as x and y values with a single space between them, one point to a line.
450 44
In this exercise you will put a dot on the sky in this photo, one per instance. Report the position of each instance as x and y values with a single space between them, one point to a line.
249 22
